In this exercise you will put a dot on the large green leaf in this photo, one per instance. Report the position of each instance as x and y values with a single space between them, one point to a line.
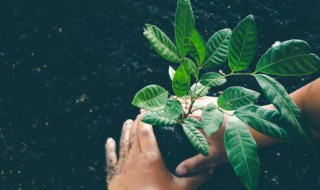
243 44
279 97
173 109
152 98
236 97
184 25
242 152
196 139
161 43
181 81
290 58
191 67
266 121
157 118
194 122
197 47
217 49
212 79
211 119
199 89
171 72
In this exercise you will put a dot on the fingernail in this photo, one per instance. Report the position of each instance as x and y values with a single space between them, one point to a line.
108 140
181 171
128 122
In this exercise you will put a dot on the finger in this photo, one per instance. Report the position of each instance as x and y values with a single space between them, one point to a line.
111 156
124 140
143 111
193 165
193 182
147 139
134 144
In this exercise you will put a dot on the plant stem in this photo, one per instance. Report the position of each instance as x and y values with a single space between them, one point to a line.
193 99
195 110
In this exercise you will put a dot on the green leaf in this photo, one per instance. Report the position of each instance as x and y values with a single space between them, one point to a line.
196 139
266 121
184 25
217 49
197 47
243 44
212 79
236 97
181 81
211 119
279 97
290 58
242 152
161 43
173 109
188 63
152 98
194 122
157 118
171 72
196 89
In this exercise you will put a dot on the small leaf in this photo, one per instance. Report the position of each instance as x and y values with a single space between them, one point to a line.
157 118
266 121
290 58
184 25
181 81
212 79
171 72
152 98
196 139
173 109
243 44
242 152
211 119
199 88
236 97
217 49
197 47
161 43
279 97
188 63
194 122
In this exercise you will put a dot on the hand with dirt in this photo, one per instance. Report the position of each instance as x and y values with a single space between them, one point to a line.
218 155
306 98
140 165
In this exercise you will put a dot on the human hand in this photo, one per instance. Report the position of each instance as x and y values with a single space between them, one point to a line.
140 165
217 154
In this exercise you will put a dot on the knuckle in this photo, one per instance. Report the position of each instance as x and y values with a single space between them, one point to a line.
111 157
124 142
145 132
150 158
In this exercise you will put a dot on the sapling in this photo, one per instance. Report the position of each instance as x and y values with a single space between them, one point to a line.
237 47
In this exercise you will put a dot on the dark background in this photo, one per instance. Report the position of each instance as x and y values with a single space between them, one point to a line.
69 70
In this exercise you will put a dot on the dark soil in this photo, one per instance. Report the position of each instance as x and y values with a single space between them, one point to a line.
69 70
174 145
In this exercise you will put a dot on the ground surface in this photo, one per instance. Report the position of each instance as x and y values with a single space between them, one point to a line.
69 70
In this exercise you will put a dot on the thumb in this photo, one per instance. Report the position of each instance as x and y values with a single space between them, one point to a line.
193 165
143 111
193 182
